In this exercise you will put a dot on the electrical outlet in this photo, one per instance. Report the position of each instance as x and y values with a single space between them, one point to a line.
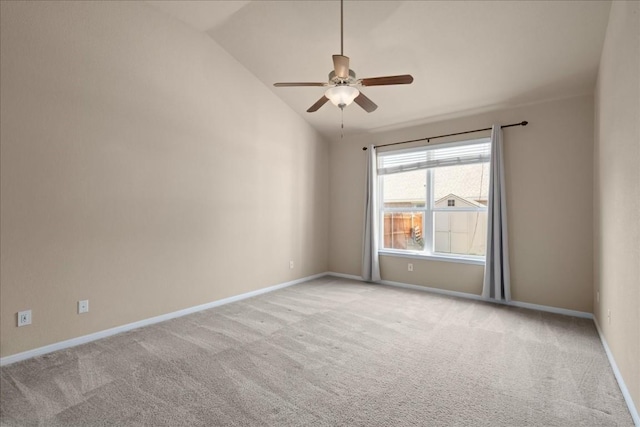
83 306
410 267
609 315
291 265
24 318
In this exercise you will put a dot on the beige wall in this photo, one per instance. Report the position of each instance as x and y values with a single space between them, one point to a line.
617 192
549 174
144 169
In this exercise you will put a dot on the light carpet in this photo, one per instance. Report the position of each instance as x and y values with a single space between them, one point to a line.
328 352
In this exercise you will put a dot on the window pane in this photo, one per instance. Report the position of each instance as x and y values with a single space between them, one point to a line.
403 230
462 233
407 189
465 186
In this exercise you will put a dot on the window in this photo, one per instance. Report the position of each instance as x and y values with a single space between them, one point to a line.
433 200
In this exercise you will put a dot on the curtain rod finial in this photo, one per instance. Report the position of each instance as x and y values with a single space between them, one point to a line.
524 123
364 148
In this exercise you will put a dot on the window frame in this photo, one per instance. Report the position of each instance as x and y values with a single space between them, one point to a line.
428 211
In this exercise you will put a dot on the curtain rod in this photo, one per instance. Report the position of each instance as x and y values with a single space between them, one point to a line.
523 123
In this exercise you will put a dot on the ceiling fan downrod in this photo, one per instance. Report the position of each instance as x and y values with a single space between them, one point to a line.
341 28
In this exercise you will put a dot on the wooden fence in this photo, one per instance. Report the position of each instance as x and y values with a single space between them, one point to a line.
402 230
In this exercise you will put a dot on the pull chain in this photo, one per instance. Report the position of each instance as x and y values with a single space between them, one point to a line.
342 123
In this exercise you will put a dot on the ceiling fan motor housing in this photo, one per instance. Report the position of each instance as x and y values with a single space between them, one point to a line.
337 80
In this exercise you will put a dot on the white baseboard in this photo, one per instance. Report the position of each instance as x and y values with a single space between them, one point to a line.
538 307
623 387
431 290
344 276
549 309
145 322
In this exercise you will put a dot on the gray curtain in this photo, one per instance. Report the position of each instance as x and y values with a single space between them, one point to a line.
497 283
370 263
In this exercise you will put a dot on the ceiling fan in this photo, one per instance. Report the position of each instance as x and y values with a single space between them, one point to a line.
343 84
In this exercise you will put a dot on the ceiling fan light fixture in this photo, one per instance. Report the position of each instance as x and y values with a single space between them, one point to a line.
342 95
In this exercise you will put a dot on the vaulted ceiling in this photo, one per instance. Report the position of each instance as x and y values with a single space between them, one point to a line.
465 56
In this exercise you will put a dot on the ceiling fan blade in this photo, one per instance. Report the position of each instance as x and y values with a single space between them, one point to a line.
404 79
366 104
341 66
318 104
298 84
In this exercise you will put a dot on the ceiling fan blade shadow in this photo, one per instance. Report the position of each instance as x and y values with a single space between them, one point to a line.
319 103
403 79
299 84
366 104
341 66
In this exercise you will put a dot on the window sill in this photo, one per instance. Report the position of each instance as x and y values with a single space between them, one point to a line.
419 255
